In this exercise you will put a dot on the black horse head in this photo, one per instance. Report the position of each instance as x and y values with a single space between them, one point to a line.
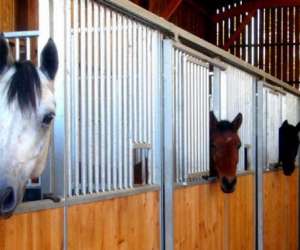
288 146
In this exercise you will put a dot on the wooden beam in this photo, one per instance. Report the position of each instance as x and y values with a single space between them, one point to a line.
239 30
170 9
247 7
197 7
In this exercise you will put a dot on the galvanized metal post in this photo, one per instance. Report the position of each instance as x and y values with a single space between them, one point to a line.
259 165
168 164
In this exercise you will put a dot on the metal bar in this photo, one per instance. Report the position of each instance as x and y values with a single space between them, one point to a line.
108 102
28 48
68 95
114 90
76 122
96 95
168 145
130 99
120 92
83 97
103 98
90 101
126 104
21 34
17 52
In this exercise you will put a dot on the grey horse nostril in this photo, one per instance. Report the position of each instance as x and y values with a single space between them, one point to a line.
7 200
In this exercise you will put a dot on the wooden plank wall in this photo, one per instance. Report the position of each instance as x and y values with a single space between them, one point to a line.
270 41
7 15
33 231
281 208
130 223
206 218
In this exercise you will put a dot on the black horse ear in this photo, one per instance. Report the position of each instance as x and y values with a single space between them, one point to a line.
213 120
49 59
237 122
285 123
4 53
298 126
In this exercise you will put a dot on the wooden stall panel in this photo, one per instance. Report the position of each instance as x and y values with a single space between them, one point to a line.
198 217
123 223
205 218
7 15
33 231
241 215
293 210
281 202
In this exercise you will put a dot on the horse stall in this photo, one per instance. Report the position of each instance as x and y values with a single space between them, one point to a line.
129 162
279 201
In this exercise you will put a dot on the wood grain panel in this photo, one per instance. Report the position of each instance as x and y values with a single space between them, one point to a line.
123 223
33 231
7 15
199 217
281 202
205 218
241 215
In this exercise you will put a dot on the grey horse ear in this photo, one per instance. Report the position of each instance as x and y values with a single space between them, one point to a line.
237 122
4 53
49 60
213 120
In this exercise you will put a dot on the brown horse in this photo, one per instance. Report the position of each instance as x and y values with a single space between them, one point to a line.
224 150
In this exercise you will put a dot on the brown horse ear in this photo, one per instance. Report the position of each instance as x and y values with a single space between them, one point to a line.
237 122
213 120
298 127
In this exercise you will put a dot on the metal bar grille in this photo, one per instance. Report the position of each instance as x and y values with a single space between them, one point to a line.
273 116
191 116
238 97
115 76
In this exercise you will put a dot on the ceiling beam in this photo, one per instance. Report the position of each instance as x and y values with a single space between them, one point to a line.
239 30
257 4
170 9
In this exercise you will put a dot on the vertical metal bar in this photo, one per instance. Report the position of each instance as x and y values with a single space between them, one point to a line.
259 165
114 90
202 134
76 96
17 55
96 97
108 101
120 107
140 75
130 100
83 94
149 110
89 98
179 122
198 128
28 48
168 145
176 112
102 98
207 120
135 83
185 116
125 105
68 95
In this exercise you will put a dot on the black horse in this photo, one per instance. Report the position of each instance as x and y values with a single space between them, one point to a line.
288 146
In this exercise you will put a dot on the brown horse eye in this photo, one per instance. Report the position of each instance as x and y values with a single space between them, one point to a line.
48 118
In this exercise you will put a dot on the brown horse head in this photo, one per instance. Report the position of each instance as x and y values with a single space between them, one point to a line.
224 153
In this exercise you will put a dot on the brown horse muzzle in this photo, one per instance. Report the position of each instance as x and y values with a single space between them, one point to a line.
228 186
